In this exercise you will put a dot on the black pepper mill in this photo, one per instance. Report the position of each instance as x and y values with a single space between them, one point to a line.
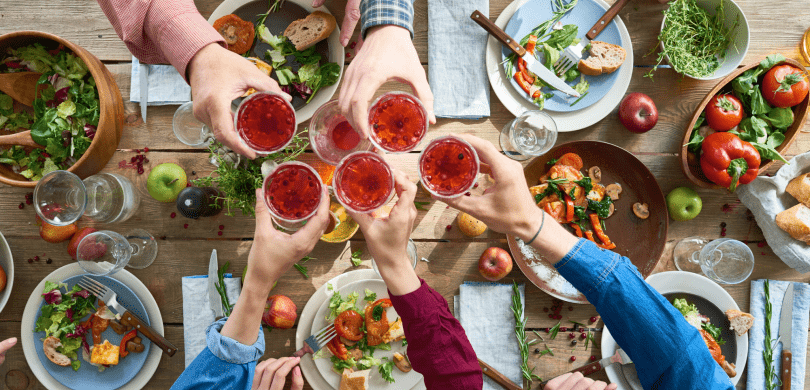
195 202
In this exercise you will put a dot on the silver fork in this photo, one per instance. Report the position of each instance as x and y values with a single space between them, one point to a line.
317 341
573 54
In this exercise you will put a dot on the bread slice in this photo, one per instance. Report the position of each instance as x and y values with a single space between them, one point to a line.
395 332
354 380
604 58
740 322
799 187
796 222
304 33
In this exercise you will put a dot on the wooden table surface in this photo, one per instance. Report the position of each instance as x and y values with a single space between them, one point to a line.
453 257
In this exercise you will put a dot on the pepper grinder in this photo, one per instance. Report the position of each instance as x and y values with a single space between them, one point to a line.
195 202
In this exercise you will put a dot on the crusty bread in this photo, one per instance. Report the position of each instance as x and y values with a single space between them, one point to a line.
799 187
395 332
49 346
740 322
354 380
604 58
304 33
796 222
470 226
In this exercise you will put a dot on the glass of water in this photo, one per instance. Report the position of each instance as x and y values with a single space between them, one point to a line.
410 251
105 252
188 129
531 134
61 198
725 260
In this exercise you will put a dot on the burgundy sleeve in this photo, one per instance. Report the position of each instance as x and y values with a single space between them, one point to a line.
437 345
160 31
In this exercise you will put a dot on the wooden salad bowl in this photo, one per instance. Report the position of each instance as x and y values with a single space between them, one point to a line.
111 120
690 162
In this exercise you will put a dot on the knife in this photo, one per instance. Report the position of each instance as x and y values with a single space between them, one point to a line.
531 62
144 77
786 334
214 300
618 357
498 377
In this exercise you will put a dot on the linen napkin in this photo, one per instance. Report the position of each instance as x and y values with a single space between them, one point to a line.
766 197
197 314
756 335
485 314
456 53
166 86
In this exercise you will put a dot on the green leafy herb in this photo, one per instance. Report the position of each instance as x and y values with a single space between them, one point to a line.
538 335
520 333
580 98
780 117
547 351
588 338
275 5
552 161
356 260
376 313
715 331
226 305
404 343
386 369
771 378
302 269
339 365
601 208
371 296
420 205
552 333
586 185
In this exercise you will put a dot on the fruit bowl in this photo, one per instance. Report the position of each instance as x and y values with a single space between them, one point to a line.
111 120
690 162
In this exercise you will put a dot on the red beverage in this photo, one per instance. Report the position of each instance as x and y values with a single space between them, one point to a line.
398 122
448 167
344 136
293 192
363 182
266 122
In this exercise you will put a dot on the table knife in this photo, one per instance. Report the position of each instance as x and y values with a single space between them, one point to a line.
531 62
214 299
144 78
786 334
498 377
618 357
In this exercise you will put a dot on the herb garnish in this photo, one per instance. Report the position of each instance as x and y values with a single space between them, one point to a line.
376 314
420 205
226 306
547 351
554 330
520 333
356 260
771 379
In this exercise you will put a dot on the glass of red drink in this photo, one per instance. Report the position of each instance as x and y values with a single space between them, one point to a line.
331 135
398 121
292 193
265 121
448 167
363 182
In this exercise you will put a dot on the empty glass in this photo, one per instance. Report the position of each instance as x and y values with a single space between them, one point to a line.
188 129
411 252
331 138
725 260
105 252
61 198
531 134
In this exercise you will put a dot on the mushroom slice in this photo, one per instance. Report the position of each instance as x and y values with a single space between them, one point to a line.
347 342
613 191
134 347
356 353
641 210
595 173
401 361
611 209
49 348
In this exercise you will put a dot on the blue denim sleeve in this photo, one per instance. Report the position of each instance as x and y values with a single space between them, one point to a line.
383 12
223 364
667 351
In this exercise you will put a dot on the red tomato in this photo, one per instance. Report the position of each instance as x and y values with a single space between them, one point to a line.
377 329
348 325
784 86
338 349
724 112
571 160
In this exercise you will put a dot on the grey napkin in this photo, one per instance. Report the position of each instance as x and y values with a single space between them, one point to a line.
166 86
456 53
766 197
484 310
756 335
197 313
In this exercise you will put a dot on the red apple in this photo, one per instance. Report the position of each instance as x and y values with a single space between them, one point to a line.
279 312
77 238
637 112
55 234
495 263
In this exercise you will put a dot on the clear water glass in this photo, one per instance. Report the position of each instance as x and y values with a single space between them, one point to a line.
727 261
411 252
61 198
188 129
531 134
106 252
686 254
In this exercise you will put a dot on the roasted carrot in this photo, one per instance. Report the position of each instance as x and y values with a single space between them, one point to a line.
577 230
589 235
597 227
569 210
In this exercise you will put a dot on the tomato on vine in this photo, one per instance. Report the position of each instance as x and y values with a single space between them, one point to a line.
784 86
724 112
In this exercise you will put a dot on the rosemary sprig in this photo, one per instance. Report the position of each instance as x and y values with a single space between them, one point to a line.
553 331
275 5
520 333
420 205
771 379
226 306
302 269
547 351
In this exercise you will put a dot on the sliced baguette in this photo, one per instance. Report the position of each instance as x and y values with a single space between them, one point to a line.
304 33
796 222
354 380
740 322
799 187
604 58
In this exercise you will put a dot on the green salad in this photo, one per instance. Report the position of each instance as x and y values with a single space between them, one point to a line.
699 321
65 113
61 316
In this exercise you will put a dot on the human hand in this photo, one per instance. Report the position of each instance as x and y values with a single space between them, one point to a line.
217 76
387 54
576 381
272 373
5 345
350 19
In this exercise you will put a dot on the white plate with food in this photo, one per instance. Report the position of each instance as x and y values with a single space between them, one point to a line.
7 274
566 121
703 298
307 66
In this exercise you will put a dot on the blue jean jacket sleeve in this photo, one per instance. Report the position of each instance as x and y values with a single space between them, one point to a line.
667 351
223 364
382 12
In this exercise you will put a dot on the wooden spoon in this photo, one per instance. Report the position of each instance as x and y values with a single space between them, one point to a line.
22 138
21 86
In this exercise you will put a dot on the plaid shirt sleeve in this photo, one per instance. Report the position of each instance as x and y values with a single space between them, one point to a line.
383 12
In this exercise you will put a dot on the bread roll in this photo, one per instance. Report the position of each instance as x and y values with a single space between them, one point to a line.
304 33
796 222
357 380
799 187
604 58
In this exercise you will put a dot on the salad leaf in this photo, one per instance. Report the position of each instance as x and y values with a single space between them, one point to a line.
601 208
35 57
550 55
768 152
285 76
66 109
696 139
780 117
684 307
752 129
328 74
582 86
770 61
275 58
376 314
339 365
386 369
306 57
371 296
338 305
309 74
562 38
264 34
367 362
715 332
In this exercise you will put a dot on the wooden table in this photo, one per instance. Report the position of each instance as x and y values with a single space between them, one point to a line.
453 257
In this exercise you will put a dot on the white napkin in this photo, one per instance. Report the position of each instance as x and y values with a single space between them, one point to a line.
166 86
197 313
766 197
485 312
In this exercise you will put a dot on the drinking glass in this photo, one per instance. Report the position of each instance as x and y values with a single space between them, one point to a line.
292 193
398 121
105 252
448 167
531 134
724 260
412 255
188 129
804 46
61 198
331 136
363 182
265 122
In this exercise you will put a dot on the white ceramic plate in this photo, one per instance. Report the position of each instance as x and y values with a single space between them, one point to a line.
336 53
123 276
678 282
7 262
566 121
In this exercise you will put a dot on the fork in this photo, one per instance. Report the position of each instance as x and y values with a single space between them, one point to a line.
317 341
109 296
573 53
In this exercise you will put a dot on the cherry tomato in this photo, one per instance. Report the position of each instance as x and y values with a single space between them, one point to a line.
238 33
377 329
338 349
724 112
348 325
784 86
571 160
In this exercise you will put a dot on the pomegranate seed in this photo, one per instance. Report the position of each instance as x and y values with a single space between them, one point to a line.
573 358
30 260
353 44
759 244
475 185
348 55
173 214
447 228
583 336
140 170
219 233
36 258
593 319
467 193
21 206
185 226
146 161
563 329
570 308
122 164
221 227
551 316
548 330
593 358
559 316
571 336
545 309
145 150
133 159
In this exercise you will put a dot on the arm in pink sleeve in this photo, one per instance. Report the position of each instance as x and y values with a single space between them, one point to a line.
159 31
437 345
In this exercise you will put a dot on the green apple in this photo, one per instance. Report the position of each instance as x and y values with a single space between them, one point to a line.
684 204
166 181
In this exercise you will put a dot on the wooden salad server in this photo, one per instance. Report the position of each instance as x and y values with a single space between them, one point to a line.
21 86
22 138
